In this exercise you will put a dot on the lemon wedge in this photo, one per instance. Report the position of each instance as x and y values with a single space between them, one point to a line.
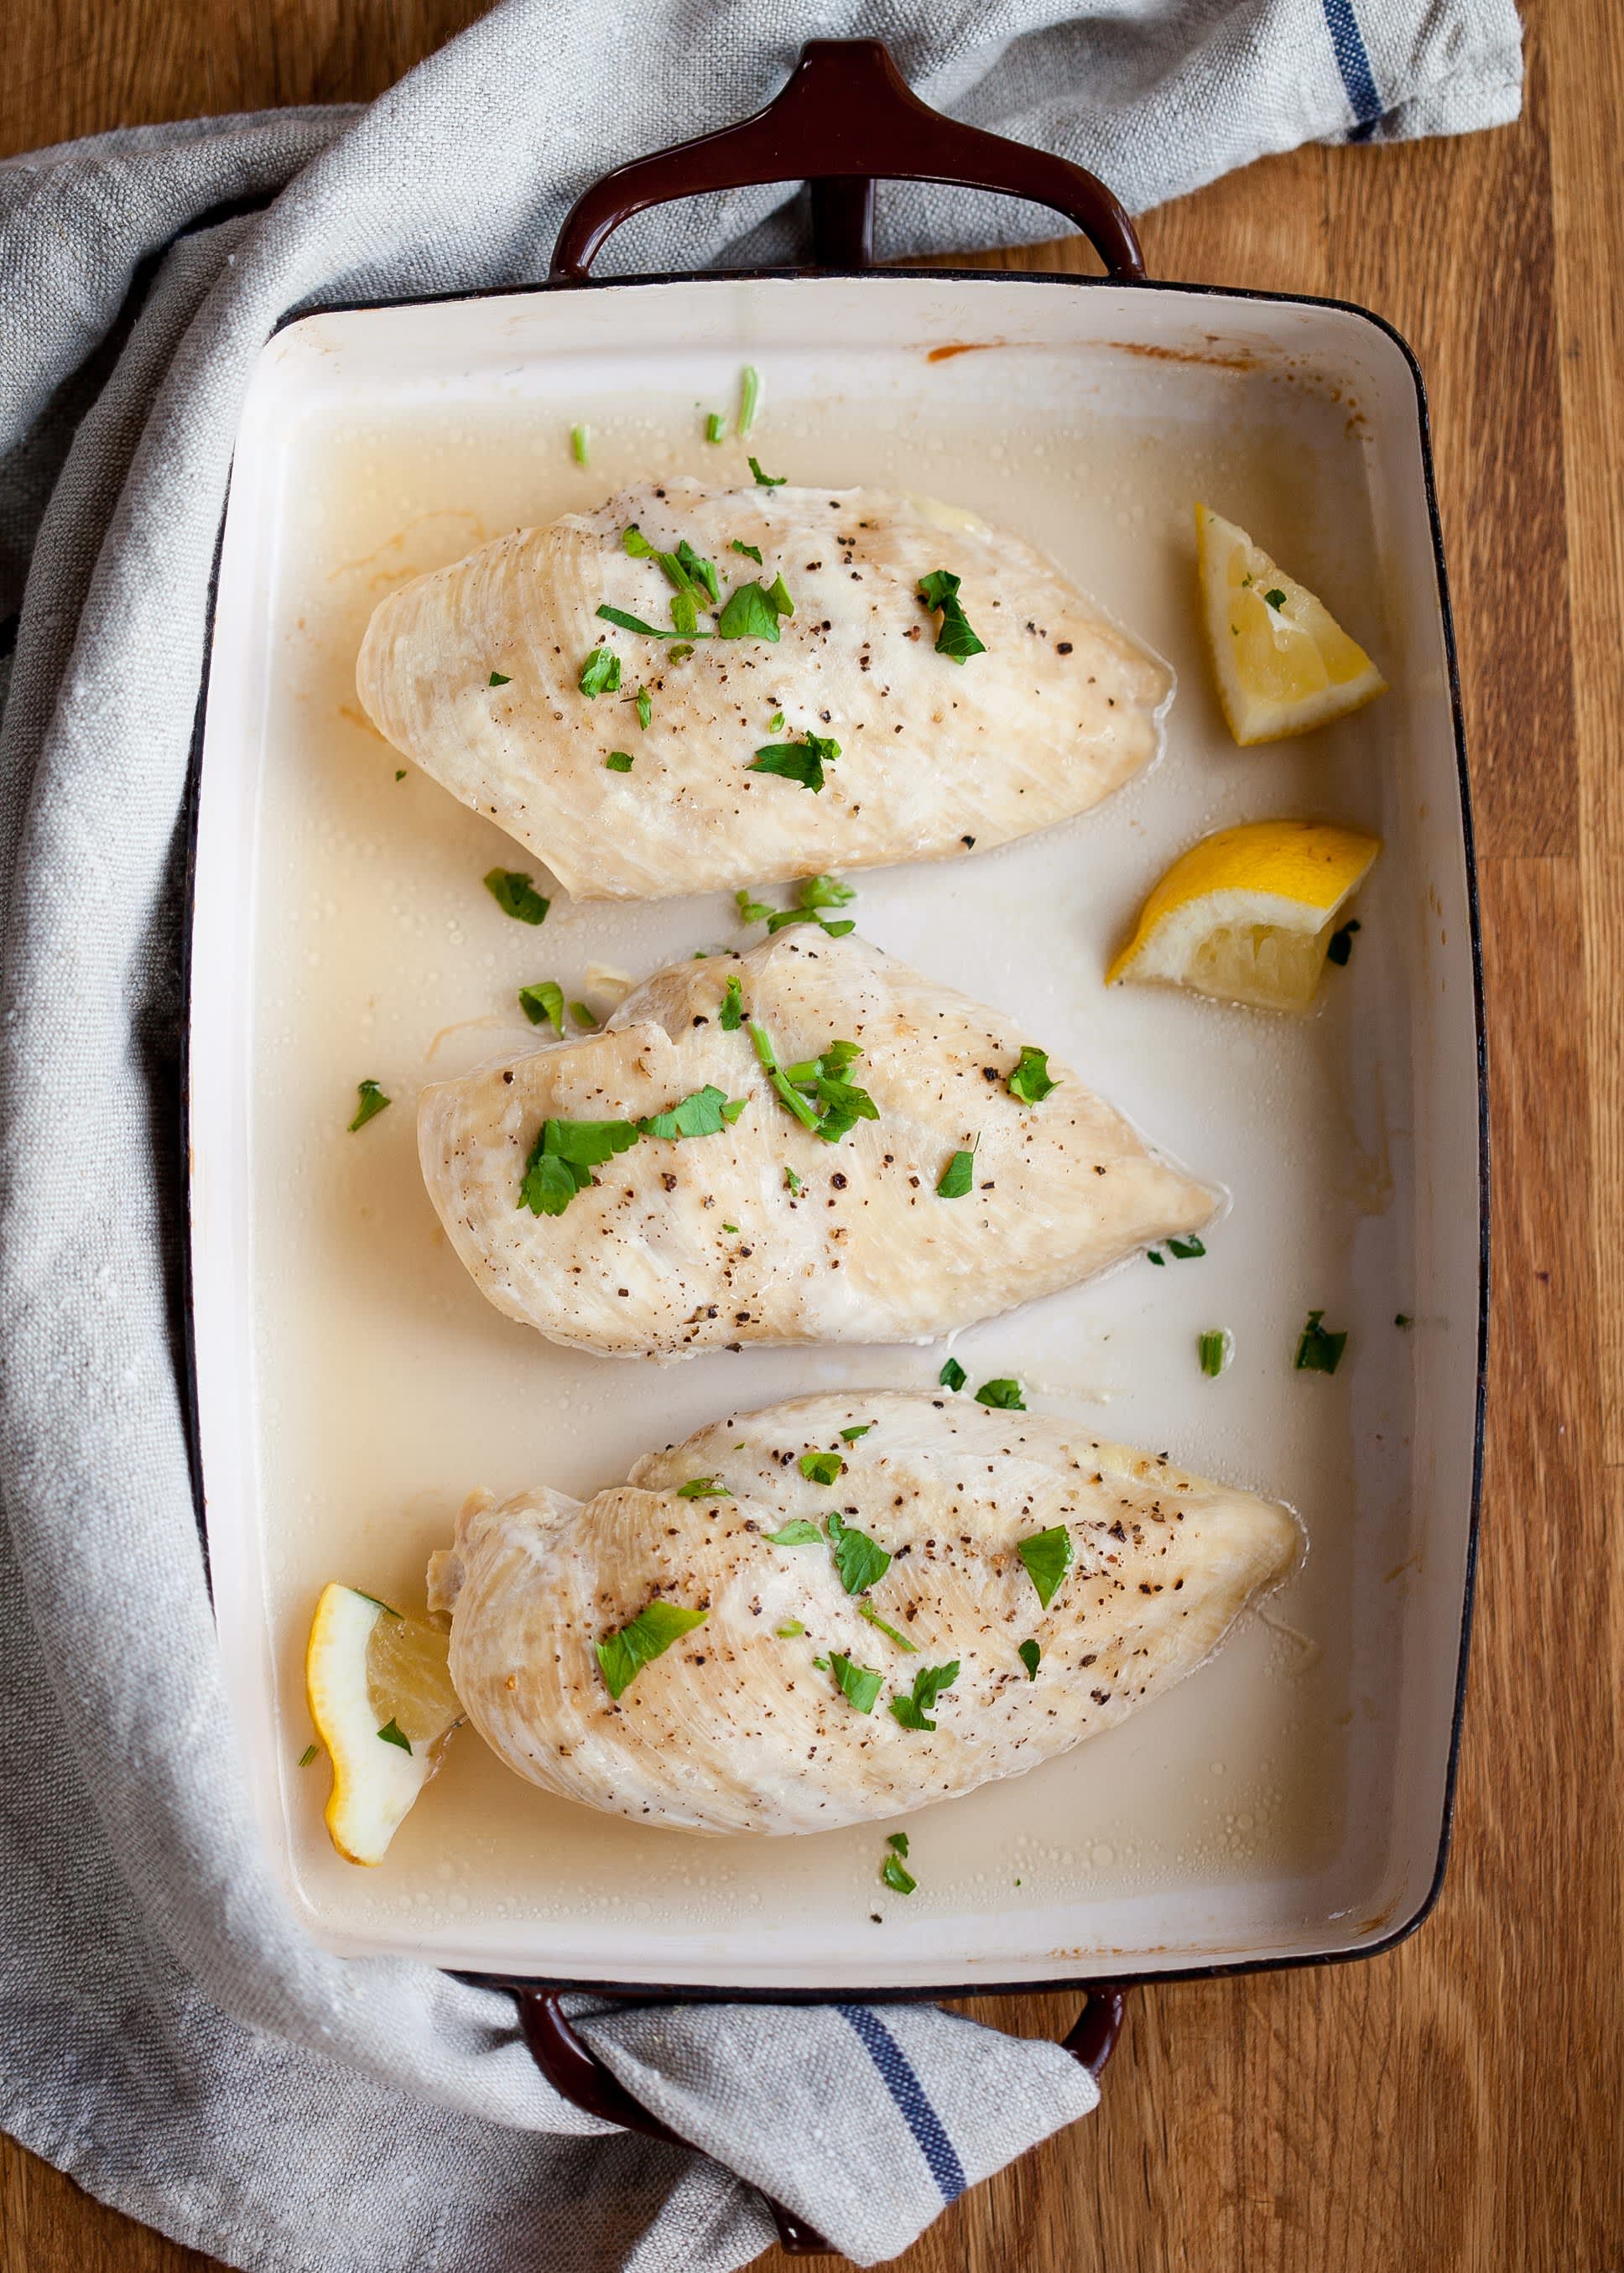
1282 662
1247 914
383 1705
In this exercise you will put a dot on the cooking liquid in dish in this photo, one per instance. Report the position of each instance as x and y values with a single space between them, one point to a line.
390 1388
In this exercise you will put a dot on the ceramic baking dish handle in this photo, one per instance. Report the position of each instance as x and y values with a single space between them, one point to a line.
846 119
578 2076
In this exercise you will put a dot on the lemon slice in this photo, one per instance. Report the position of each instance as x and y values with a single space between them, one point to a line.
1282 662
383 1705
1247 914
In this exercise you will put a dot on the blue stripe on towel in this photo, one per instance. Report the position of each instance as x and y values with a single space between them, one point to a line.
1353 61
909 2094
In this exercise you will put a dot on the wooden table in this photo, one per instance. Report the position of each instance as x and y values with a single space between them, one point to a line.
1454 2107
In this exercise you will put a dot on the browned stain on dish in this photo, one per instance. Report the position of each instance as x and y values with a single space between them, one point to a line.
962 347
1236 359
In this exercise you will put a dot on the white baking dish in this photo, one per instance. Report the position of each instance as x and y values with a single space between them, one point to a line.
1290 1801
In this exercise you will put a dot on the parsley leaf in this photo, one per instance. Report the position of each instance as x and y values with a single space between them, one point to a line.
702 1112
749 394
1186 1249
731 1012
866 1609
1318 1351
860 1684
392 1733
544 1001
898 1842
787 1092
600 674
790 1628
822 1468
579 436
797 762
750 552
824 892
716 426
619 762
798 1533
893 1873
753 613
1275 599
515 896
954 638
1048 1555
793 1183
957 1177
1003 1396
685 614
1153 1255
703 1487
952 1375
373 1103
750 910
582 1013
767 481
563 1155
649 631
860 1562
645 708
851 1435
500 679
1031 1656
1215 1351
1029 1080
929 1683
621 1656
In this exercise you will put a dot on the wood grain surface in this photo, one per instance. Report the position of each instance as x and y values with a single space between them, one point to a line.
1453 2107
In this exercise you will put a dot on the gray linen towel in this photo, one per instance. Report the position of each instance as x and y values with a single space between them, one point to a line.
167 2035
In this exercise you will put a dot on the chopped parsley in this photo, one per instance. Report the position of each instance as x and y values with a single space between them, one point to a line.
685 614
544 1002
1214 1347
584 1018
1029 1078
399 773
1402 1318
749 395
716 426
895 1874
860 1684
579 438
619 762
600 674
563 1157
822 1468
797 762
392 1733
1031 1656
649 631
798 1533
860 1563
703 1487
851 1435
753 611
939 591
645 707
500 679
1276 599
914 1712
775 724
1318 1351
790 1628
952 1375
517 896
1339 946
750 910
621 1656
1154 1255
732 1013
730 1226
702 1112
813 895
750 552
957 1177
866 1609
1186 1249
1003 1396
792 1184
308 1755
898 1841
373 1102
839 1103
1048 1556
767 481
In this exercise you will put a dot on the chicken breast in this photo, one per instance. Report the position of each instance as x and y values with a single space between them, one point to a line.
762 1230
778 1712
476 673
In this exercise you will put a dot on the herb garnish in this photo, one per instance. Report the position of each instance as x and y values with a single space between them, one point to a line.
1048 1555
716 426
797 1533
929 1683
621 1656
840 1104
1318 1351
499 678
1154 1255
954 638
1186 1250
749 394
866 1609
790 1628
1402 1318
732 1013
812 896
619 762
851 1435
750 552
392 1733
649 631
793 1183
775 724
515 896
645 708
956 1179
563 1156
600 674
1031 1656
702 1112
1214 1347
753 613
822 1468
860 1563
373 1103
308 1755
895 1875
860 1684
1029 1078
1003 1396
952 1375
579 436
544 1001
767 481
703 1487
582 1015
1276 599
1339 945
797 762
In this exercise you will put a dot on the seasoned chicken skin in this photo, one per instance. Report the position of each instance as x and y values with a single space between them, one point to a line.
763 1231
936 755
735 1726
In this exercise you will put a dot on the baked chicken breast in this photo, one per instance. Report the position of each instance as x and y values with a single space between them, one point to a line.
841 1608
809 1143
499 676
